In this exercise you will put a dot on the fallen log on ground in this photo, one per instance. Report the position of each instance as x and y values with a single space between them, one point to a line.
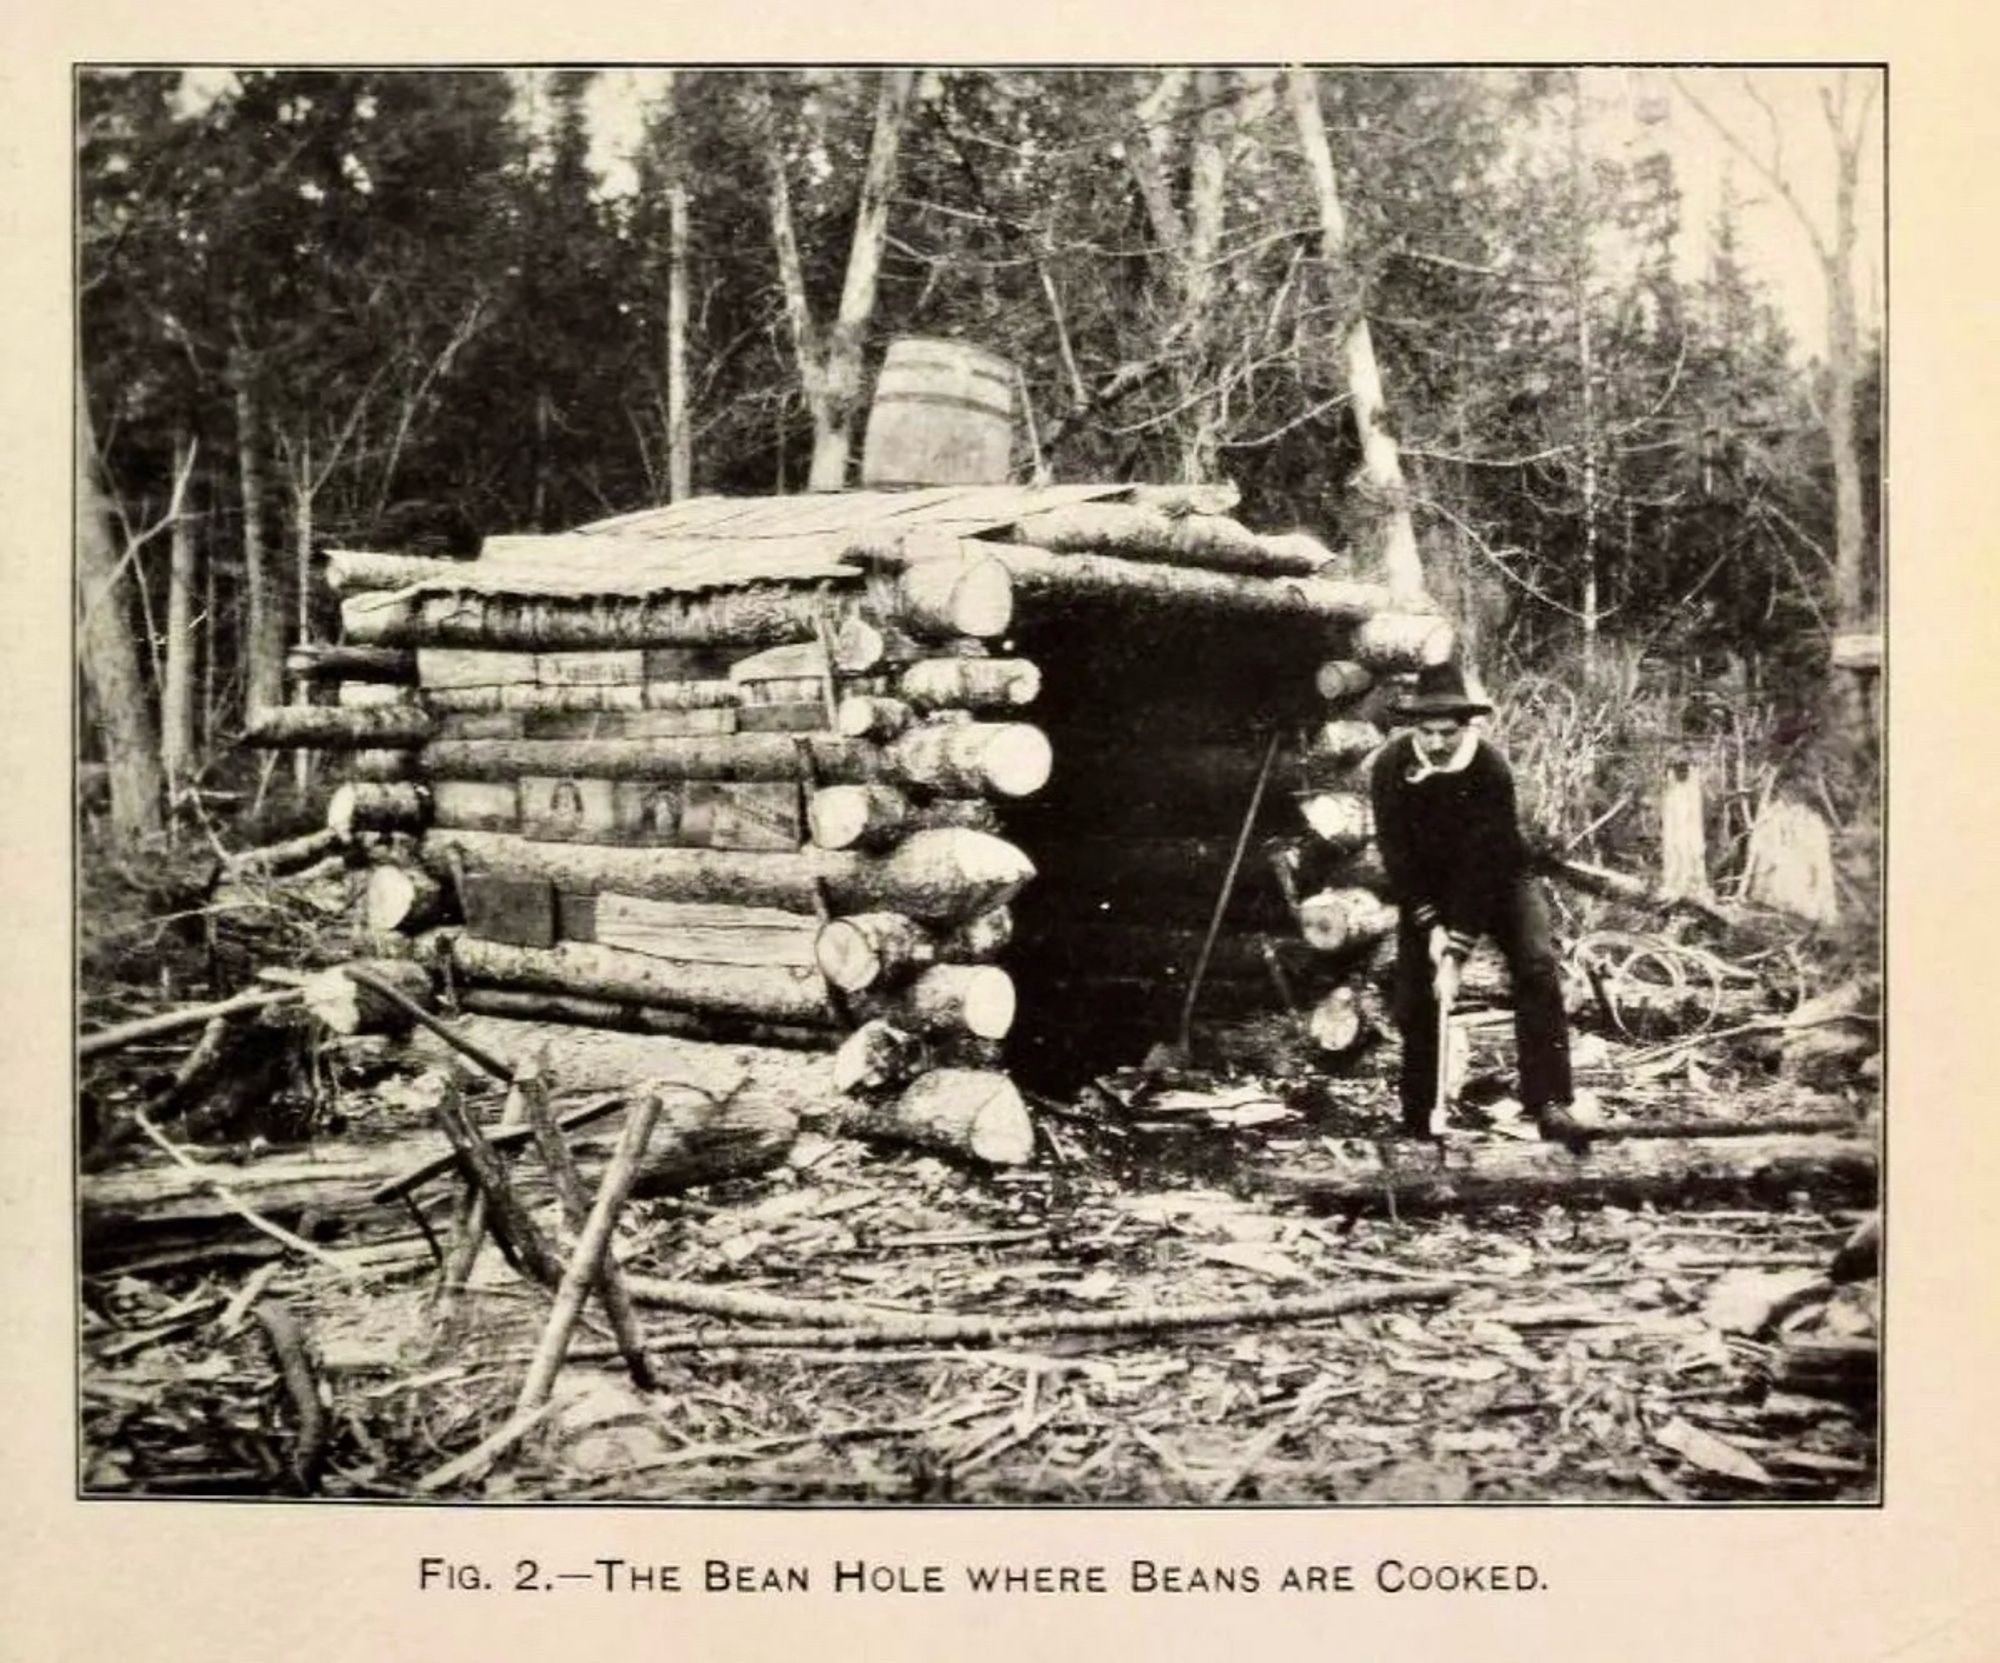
1417 1177
276 859
832 1322
330 1188
178 1021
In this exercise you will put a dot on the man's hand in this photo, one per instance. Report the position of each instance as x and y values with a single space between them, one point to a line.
1455 945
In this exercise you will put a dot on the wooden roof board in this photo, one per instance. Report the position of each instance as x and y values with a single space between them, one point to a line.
982 506
709 543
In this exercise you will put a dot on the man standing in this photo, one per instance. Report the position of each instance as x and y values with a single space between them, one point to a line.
1457 864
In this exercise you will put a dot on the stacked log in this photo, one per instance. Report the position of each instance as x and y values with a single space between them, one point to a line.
802 805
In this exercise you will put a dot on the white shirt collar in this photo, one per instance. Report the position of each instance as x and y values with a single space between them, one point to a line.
1420 770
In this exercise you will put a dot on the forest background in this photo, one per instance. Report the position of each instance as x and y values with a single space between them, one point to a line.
406 310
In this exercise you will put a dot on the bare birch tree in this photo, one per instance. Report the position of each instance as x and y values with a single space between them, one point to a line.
830 366
1377 486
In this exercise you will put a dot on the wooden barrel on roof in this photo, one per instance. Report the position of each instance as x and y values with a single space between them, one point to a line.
943 415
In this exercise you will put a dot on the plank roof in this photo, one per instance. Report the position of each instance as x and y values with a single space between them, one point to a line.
710 543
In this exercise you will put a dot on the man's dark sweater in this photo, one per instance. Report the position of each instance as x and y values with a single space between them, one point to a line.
1450 841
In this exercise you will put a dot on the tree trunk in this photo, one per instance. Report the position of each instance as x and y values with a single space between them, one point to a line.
1683 837
830 371
264 628
110 653
177 712
1378 488
934 876
680 465
1411 1177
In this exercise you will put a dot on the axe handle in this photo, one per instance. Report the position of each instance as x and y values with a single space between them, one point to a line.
1445 987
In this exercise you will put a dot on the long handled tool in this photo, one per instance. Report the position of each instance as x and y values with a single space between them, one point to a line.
1183 1039
1444 984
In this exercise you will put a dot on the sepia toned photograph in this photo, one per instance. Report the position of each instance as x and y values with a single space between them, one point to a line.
956 786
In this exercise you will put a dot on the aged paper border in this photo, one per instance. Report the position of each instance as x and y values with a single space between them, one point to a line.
1909 1580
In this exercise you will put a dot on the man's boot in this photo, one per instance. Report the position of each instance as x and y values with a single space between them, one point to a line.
1571 1124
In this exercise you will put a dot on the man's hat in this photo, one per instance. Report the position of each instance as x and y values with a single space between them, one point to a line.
1443 690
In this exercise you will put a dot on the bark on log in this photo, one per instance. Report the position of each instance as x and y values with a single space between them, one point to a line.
863 716
879 949
955 588
1393 641
402 899
276 859
382 766
1417 1177
879 816
757 615
1141 533
878 1056
770 993
936 876
977 999
1341 743
957 1111
363 695
315 661
1008 759
359 571
709 1027
607 696
1337 1023
1340 819
331 728
1340 920
1340 681
871 949
1047 583
131 1211
976 684
378 807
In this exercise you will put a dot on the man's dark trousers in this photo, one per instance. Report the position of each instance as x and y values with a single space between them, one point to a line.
1520 927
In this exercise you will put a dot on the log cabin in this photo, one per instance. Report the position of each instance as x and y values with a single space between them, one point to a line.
941 781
